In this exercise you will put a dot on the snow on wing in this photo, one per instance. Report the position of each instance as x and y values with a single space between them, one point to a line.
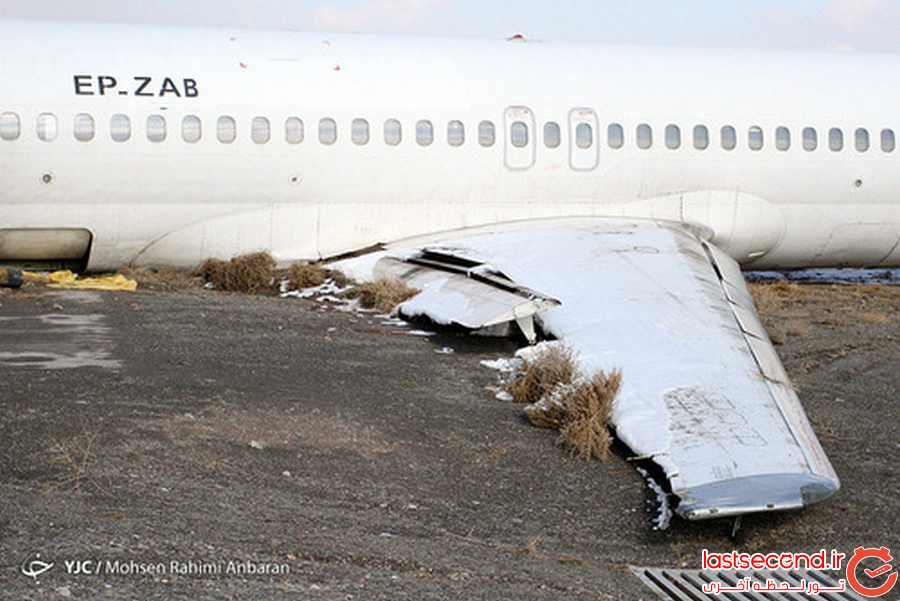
704 394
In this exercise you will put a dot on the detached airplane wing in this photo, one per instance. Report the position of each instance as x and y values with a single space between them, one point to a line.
704 394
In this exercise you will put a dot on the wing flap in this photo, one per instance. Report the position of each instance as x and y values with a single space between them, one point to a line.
464 293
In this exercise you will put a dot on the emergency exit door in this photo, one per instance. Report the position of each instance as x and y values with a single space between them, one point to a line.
584 143
518 123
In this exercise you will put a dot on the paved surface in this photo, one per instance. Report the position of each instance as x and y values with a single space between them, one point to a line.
205 427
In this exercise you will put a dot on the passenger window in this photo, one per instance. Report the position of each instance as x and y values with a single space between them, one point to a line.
729 138
293 130
836 139
393 132
644 136
359 132
673 137
327 131
84 127
783 139
888 140
584 136
810 139
518 134
487 134
10 126
756 138
47 127
701 137
552 135
156 128
191 129
615 136
862 140
260 130
456 133
120 128
424 133
226 129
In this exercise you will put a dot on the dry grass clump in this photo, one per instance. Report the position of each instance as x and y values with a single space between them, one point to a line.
312 275
383 294
562 399
77 457
306 275
581 412
770 296
251 274
537 378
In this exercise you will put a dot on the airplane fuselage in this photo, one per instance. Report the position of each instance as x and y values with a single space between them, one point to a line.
171 145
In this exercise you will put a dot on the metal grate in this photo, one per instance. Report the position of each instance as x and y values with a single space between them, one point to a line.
687 585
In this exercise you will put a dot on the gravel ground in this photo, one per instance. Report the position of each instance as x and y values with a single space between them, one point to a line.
194 426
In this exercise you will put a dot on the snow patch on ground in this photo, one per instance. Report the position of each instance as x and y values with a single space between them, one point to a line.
502 364
329 291
397 323
528 353
533 353
423 333
329 294
889 277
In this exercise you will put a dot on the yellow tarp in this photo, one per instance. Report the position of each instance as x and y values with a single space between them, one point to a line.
69 280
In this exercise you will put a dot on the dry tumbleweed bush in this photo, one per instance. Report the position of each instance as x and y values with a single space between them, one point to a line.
562 399
251 274
383 294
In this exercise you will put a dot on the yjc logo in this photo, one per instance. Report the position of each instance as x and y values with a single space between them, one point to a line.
34 566
883 555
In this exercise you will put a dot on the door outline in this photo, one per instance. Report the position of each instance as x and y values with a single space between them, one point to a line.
583 159
519 159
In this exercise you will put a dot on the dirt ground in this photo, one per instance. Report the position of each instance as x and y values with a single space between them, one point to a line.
193 426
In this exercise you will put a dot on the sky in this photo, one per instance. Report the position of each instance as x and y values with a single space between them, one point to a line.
844 25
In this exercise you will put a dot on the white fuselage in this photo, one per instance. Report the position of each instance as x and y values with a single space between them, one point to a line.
178 202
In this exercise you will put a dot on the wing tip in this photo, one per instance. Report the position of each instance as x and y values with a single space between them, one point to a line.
755 494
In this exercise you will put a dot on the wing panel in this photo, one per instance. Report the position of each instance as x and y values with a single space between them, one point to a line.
704 393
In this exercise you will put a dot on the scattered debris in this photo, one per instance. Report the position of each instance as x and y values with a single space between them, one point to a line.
383 294
664 509
251 274
71 281
257 445
10 278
